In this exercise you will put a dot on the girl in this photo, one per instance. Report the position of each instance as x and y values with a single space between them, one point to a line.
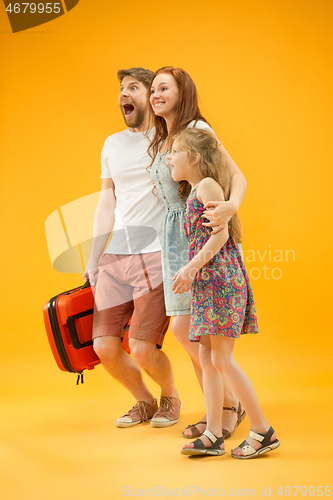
222 306
174 106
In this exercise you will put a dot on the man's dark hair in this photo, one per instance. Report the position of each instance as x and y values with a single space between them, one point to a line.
143 75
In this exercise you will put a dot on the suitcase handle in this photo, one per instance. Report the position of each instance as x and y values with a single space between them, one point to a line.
72 330
86 285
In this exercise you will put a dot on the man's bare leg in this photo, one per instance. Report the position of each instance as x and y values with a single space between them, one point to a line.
122 367
156 364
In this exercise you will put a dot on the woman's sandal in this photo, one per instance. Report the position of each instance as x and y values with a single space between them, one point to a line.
240 416
195 433
266 445
200 448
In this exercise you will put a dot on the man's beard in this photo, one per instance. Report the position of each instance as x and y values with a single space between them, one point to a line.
138 118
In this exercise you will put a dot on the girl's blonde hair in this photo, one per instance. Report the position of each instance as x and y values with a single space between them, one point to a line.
211 164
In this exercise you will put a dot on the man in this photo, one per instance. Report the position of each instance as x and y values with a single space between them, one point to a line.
129 280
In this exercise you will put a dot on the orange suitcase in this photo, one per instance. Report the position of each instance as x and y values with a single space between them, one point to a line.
68 321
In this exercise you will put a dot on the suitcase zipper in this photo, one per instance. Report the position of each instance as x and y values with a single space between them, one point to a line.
57 335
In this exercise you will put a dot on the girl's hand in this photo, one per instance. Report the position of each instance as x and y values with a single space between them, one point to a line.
219 214
183 279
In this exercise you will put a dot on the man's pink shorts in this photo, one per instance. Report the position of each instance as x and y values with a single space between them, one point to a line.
130 286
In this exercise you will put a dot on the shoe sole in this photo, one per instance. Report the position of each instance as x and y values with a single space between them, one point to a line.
196 451
164 424
127 424
167 423
261 451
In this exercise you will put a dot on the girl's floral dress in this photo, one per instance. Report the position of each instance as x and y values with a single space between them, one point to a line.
222 299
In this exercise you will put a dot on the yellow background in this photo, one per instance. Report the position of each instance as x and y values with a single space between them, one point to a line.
264 75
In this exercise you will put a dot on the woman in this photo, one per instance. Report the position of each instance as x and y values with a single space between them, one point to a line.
174 102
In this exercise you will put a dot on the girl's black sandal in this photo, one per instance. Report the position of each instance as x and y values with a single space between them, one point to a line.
201 449
265 441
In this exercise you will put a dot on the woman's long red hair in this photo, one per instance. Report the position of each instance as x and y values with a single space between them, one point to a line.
187 110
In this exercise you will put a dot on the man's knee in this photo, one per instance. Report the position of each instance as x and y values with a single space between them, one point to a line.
107 348
142 351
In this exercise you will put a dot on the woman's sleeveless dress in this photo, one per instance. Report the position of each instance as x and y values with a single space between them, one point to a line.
175 246
222 298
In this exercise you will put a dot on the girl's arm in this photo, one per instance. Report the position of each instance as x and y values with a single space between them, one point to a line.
207 189
221 212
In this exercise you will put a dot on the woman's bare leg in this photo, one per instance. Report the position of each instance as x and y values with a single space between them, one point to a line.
180 327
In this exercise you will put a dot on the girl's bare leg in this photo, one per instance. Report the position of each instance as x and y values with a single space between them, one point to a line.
213 392
223 360
180 326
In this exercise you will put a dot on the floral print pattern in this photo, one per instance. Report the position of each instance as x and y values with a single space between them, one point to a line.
222 299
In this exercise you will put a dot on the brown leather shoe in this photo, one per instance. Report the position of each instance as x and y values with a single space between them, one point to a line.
168 412
141 412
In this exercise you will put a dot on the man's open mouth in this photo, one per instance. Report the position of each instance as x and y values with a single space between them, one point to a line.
128 109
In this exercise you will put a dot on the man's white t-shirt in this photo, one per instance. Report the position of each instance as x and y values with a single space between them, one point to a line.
139 212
